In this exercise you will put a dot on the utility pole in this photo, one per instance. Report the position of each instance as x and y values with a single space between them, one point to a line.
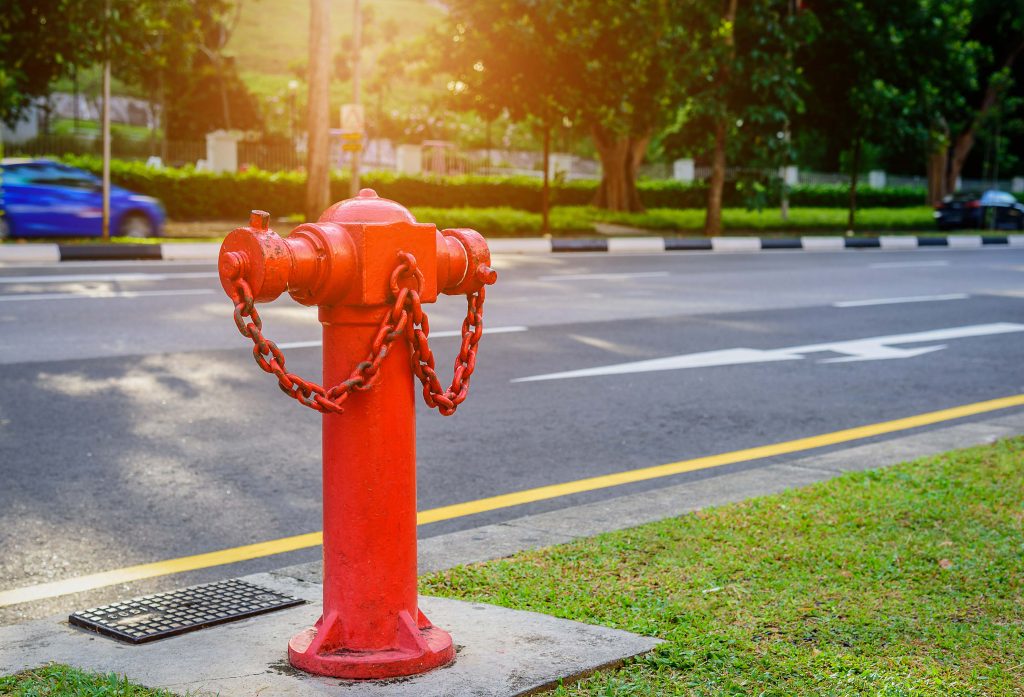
357 38
318 183
106 121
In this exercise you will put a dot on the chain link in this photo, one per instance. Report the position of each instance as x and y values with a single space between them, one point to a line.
405 319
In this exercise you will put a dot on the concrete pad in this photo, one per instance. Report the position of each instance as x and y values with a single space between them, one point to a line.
187 251
636 244
500 652
523 245
813 243
30 253
897 241
736 244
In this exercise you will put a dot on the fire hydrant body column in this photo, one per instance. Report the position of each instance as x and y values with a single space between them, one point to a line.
368 265
369 475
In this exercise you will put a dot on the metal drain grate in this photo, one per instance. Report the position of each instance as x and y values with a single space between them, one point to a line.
159 616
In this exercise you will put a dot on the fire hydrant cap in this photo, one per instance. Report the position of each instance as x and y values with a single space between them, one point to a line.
367 207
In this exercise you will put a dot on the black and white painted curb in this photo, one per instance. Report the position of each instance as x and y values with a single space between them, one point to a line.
205 251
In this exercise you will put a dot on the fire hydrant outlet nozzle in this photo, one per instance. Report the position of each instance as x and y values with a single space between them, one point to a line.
369 266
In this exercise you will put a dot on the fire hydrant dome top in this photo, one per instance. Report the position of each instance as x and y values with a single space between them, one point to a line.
367 207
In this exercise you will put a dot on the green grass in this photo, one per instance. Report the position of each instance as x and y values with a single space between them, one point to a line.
61 681
901 581
66 127
507 221
800 219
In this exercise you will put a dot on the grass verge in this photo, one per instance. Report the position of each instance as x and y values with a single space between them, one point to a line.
902 581
60 680
688 221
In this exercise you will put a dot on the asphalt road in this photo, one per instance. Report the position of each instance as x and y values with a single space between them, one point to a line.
135 427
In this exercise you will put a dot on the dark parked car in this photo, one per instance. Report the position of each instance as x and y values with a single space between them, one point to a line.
42 198
991 210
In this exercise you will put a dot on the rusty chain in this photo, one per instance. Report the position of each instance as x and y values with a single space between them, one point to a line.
405 318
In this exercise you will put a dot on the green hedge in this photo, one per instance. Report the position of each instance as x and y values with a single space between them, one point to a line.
188 194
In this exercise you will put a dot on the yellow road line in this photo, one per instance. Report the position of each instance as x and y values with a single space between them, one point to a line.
493 503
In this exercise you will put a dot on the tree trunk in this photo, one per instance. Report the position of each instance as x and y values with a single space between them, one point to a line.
545 195
854 168
964 140
318 185
620 157
713 215
487 158
937 160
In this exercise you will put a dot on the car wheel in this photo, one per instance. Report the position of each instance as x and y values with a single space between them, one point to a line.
135 225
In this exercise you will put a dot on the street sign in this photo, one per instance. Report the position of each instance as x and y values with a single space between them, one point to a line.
353 118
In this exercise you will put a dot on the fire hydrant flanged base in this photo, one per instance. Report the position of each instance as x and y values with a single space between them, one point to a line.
421 649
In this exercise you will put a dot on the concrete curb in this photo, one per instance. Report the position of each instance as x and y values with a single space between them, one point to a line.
207 251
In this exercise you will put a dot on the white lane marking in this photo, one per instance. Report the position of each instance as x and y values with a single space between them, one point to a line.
109 264
602 276
433 335
104 294
897 301
907 264
870 349
108 277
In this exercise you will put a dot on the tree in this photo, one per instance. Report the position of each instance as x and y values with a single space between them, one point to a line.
608 67
997 28
318 185
166 35
869 70
208 93
743 91
504 58
40 42
165 47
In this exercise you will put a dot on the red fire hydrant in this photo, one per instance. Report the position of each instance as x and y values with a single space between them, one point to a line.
368 265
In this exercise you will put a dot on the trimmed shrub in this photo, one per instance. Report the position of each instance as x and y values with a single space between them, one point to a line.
188 194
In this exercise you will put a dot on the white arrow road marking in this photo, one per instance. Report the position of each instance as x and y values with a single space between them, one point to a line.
603 276
875 348
907 264
104 294
107 277
898 301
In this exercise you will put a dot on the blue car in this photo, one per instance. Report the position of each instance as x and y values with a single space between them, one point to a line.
42 198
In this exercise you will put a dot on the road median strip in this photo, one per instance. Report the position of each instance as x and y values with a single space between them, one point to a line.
200 251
